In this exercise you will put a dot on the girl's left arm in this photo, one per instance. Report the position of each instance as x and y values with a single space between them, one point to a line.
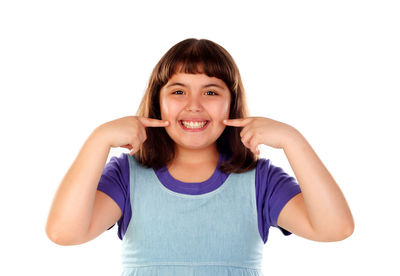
328 211
320 212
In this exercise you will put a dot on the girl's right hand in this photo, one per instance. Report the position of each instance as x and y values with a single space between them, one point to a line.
128 132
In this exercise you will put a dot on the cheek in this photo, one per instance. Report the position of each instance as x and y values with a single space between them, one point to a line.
223 109
169 109
165 109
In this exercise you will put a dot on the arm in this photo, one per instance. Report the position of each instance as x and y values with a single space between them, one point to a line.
320 212
77 199
79 212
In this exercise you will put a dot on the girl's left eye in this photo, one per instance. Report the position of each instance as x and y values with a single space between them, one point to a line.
211 92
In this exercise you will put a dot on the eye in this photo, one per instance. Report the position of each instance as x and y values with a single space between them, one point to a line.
214 93
176 92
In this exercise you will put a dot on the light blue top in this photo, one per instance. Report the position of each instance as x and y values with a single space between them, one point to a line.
170 233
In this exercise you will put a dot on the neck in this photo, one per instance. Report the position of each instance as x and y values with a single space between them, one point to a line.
196 156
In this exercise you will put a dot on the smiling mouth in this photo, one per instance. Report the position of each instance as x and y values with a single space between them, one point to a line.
193 125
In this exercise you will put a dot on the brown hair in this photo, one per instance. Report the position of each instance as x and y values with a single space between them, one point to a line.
195 56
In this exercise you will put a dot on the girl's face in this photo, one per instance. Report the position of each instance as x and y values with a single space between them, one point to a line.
194 105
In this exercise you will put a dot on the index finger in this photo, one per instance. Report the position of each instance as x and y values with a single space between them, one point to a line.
237 122
150 122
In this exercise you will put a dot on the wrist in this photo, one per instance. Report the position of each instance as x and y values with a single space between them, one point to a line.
98 137
292 137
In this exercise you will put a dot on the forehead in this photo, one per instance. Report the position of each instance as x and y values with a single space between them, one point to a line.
193 79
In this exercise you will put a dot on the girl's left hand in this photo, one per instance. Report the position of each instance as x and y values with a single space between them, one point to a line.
260 130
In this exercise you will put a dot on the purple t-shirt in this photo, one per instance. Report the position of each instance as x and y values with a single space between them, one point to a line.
274 188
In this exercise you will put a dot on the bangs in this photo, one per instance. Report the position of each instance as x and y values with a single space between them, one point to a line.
198 58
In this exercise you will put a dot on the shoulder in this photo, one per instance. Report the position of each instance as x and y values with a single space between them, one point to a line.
119 163
274 184
270 172
263 167
263 164
115 176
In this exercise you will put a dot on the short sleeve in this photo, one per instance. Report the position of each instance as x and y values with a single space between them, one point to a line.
114 182
274 189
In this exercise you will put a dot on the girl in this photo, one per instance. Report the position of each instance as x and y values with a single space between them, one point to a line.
192 197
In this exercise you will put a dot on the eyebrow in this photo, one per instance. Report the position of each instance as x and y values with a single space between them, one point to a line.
205 86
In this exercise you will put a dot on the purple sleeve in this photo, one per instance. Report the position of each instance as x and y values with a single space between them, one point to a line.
274 188
114 182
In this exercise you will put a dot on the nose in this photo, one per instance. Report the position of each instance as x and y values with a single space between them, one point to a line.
193 104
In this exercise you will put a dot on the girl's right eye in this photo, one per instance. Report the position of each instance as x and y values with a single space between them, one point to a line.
175 92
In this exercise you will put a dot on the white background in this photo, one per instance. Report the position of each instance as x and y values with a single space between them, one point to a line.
328 68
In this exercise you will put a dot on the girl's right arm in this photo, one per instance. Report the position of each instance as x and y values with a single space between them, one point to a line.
79 211
71 211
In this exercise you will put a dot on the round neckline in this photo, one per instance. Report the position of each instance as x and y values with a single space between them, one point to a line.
213 183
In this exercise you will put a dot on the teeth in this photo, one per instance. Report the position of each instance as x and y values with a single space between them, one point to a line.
193 124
